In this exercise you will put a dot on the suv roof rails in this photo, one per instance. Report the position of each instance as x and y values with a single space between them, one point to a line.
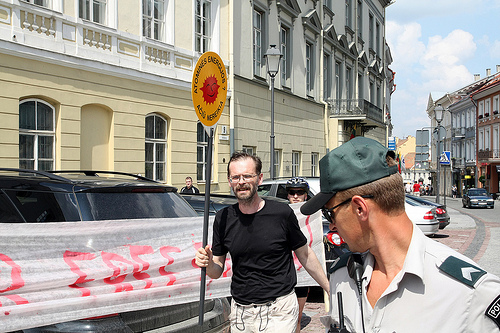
52 174
95 173
36 172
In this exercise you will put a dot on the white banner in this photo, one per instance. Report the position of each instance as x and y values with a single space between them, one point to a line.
56 272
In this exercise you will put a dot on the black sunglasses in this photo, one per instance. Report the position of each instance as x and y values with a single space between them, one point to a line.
298 192
329 212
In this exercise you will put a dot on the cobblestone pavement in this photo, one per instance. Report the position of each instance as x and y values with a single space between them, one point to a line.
457 239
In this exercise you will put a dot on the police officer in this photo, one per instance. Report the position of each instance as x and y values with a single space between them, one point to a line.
403 281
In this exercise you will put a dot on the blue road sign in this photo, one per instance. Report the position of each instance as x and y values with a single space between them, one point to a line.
445 158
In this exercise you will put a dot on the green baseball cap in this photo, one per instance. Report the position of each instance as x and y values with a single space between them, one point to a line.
357 162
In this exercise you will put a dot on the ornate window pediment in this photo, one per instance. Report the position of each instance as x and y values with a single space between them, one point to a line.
353 49
374 66
363 58
291 7
312 22
330 34
343 41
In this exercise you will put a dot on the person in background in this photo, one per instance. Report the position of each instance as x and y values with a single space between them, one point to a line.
416 189
297 188
260 236
189 188
394 270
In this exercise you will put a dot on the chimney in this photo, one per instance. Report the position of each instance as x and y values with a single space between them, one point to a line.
498 68
477 77
488 71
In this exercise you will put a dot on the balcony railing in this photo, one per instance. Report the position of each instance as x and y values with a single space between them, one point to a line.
345 108
486 154
42 28
458 132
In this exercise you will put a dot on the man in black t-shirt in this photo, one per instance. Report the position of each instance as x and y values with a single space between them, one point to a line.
260 236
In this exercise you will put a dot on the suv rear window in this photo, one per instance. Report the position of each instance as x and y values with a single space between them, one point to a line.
40 206
136 205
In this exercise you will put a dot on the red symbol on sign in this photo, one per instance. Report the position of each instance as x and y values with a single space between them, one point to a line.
210 89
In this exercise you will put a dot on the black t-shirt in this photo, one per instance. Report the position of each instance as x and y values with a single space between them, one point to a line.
261 247
193 189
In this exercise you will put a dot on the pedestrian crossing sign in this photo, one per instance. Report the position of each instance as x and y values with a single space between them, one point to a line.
445 158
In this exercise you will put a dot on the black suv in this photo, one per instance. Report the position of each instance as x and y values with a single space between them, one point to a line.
58 196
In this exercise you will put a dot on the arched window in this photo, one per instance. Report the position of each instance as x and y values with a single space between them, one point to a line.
156 147
36 135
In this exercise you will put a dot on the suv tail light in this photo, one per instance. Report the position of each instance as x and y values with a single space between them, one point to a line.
440 211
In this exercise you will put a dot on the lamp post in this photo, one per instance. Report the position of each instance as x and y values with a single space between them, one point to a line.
273 59
438 114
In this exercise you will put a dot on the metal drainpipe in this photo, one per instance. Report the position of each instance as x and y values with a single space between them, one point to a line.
231 79
322 88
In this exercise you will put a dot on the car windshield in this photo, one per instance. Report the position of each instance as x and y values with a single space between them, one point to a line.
477 193
263 190
136 205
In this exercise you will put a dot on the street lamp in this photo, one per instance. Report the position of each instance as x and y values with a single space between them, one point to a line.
273 59
438 115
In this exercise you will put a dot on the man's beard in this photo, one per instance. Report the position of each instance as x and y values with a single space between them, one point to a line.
246 197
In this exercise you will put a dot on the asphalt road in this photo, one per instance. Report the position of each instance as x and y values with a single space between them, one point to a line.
473 232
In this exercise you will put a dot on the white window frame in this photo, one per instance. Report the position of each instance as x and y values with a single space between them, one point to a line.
481 109
487 138
338 80
359 15
314 164
348 83
153 20
348 13
309 52
481 139
496 141
37 134
91 16
327 76
277 162
285 47
249 150
201 153
55 5
496 103
487 110
258 41
157 142
295 163
203 31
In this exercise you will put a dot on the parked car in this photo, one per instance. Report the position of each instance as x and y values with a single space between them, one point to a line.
277 187
441 214
477 197
423 216
37 197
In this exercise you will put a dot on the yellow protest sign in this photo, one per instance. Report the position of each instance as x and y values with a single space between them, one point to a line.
209 88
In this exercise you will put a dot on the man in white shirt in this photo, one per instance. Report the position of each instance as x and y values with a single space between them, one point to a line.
397 279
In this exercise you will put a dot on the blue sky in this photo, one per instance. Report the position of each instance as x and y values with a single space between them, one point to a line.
437 46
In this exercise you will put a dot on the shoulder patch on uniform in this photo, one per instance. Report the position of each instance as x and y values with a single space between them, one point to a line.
462 270
340 262
493 311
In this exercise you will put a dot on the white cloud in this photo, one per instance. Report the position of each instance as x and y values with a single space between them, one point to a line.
495 50
404 41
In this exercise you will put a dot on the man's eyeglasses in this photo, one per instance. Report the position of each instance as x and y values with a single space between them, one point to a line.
298 192
236 178
329 212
